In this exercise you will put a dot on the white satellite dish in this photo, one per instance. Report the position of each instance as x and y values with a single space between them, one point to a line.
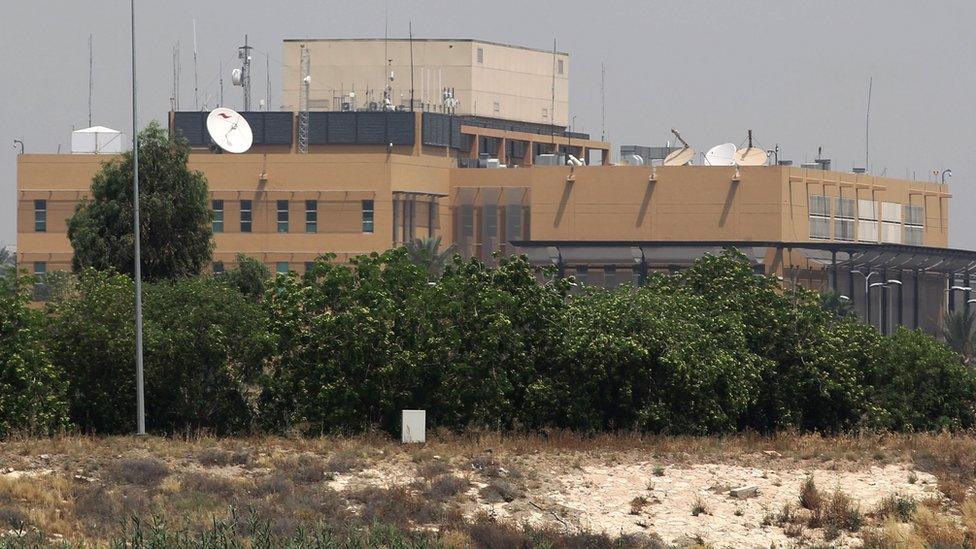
720 155
236 76
753 156
679 157
229 130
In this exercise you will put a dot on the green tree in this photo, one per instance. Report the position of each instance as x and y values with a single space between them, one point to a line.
957 330
922 384
32 389
250 277
175 217
426 253
204 346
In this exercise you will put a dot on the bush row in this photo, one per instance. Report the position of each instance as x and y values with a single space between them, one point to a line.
344 348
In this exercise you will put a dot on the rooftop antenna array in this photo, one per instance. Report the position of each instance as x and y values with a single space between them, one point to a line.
242 76
681 156
267 73
303 99
196 83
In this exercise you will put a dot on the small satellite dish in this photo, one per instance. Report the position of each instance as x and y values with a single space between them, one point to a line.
229 130
720 155
753 156
679 157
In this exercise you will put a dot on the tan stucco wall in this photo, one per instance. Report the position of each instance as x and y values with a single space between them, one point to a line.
518 79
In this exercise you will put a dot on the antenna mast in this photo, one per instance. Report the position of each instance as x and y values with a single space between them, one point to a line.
244 54
91 76
220 75
267 72
867 128
411 64
303 100
552 99
196 88
603 102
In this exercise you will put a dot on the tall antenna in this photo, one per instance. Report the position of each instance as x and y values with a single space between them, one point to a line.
305 62
220 75
267 72
387 92
244 54
91 76
603 102
552 98
196 88
867 128
175 98
410 27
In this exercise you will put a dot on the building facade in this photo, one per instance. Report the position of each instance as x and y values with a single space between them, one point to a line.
371 180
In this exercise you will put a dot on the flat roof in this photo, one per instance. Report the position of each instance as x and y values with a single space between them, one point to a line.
472 40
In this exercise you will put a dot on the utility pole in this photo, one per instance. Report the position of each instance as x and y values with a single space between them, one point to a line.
137 263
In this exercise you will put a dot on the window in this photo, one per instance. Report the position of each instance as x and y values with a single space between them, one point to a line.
40 216
218 267
245 216
481 55
496 107
844 218
819 227
913 235
281 267
491 221
914 225
891 211
218 219
819 217
41 290
40 269
867 231
559 66
609 276
311 216
309 265
891 232
914 215
844 207
367 216
545 113
282 216
582 273
867 209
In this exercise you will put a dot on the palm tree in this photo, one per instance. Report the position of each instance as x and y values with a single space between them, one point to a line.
426 253
957 329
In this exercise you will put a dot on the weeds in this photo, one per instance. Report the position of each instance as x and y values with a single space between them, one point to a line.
446 487
500 490
698 507
898 507
141 471
637 505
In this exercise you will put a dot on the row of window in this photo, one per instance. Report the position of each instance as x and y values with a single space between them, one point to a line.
281 267
866 220
247 219
282 216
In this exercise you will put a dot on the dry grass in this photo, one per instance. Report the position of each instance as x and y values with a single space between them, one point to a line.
286 481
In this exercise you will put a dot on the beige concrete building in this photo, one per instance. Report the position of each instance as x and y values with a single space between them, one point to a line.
487 79
491 182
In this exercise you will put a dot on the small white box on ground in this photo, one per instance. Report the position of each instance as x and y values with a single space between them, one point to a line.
414 426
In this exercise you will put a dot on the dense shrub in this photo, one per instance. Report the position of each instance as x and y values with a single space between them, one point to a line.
32 389
204 344
345 347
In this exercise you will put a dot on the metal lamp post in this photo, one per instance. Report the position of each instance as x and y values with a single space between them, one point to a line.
951 289
140 395
867 297
887 284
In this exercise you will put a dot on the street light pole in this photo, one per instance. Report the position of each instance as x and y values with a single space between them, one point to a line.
867 296
140 396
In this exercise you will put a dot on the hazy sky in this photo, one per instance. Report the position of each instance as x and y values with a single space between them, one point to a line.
795 72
